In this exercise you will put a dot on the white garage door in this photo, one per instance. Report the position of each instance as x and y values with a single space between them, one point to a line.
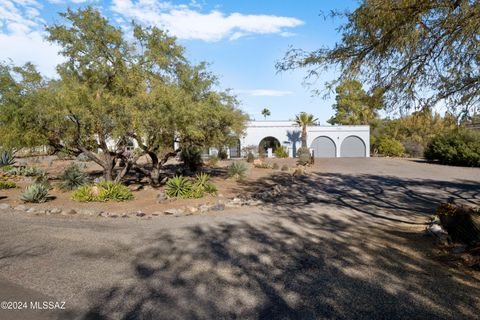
324 147
353 147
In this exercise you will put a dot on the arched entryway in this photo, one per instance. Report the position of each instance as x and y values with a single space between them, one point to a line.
324 147
267 143
353 146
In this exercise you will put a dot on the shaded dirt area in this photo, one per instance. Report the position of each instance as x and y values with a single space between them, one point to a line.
344 242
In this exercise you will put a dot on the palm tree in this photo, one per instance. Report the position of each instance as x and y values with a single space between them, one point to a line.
304 120
265 113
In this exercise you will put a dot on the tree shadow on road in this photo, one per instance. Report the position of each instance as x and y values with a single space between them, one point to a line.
302 261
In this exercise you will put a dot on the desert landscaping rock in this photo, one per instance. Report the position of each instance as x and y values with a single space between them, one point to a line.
31 210
218 207
55 211
170 212
161 197
140 214
192 209
21 208
204 208
69 212
4 206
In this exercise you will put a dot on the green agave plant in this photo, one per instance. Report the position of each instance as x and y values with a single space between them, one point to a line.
72 178
178 187
36 193
6 158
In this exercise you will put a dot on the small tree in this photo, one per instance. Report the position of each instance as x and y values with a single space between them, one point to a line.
266 113
304 120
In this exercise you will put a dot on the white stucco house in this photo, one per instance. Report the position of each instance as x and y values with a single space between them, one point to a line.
323 141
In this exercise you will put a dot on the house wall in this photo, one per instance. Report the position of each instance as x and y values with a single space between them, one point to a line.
289 135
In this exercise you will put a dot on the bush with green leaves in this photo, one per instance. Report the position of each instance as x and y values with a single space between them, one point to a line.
390 147
103 191
304 156
26 171
178 187
459 147
237 170
202 185
72 178
36 193
281 152
250 157
7 184
6 158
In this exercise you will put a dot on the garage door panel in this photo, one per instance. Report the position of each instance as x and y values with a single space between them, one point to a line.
353 146
324 147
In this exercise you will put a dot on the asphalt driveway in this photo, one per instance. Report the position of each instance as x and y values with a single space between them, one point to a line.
345 242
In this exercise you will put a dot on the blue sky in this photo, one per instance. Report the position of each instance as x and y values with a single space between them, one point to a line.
241 39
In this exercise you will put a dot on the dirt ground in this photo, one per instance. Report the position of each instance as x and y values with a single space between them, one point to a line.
145 198
346 241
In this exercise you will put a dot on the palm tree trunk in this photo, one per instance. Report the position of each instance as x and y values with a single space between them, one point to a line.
304 136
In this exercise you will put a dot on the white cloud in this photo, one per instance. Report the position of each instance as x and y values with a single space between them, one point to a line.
23 41
265 93
186 22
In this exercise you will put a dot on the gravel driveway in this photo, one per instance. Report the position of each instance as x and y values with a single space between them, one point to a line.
346 242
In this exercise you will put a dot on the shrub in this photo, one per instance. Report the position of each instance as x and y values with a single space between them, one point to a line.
103 191
7 184
82 157
6 168
36 193
212 161
284 168
275 166
413 148
261 165
304 156
191 158
72 178
237 170
391 147
281 152
458 147
222 154
6 158
26 171
250 157
178 187
203 185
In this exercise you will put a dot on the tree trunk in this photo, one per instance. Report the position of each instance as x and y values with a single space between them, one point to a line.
304 137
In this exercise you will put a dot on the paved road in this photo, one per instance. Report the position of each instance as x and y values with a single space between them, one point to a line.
345 242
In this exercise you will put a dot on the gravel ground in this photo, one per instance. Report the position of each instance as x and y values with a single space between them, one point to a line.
344 242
